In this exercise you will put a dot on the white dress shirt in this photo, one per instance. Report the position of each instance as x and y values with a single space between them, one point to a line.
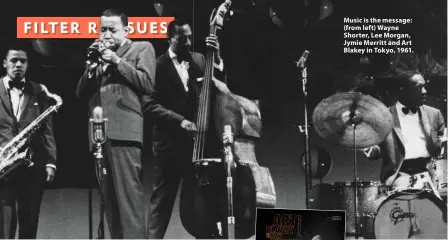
18 100
413 134
182 68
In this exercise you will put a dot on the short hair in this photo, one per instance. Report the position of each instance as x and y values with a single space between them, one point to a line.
116 13
403 76
18 45
174 25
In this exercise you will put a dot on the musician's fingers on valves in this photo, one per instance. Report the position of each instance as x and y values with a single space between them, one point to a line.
96 44
109 56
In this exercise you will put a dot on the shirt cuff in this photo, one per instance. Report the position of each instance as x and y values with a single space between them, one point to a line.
52 166
367 152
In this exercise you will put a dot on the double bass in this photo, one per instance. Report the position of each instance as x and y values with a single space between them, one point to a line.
204 203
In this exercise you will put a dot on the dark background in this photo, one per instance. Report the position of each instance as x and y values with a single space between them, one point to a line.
260 52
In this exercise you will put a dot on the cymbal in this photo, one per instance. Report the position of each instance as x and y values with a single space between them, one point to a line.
336 117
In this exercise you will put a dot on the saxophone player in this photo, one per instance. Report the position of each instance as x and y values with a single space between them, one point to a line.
21 102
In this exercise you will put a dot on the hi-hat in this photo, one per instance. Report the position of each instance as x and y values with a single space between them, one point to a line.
335 117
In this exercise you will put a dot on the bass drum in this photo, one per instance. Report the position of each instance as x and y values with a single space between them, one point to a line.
408 214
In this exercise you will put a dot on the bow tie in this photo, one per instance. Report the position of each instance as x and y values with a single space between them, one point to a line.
406 110
182 58
16 84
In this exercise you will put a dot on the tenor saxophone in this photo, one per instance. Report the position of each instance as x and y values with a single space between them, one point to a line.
17 151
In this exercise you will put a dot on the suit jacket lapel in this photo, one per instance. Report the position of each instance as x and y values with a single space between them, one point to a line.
4 96
397 127
425 121
122 49
171 69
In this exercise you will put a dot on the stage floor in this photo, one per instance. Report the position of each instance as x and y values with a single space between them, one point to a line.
65 214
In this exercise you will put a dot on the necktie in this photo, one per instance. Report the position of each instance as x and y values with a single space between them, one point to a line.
407 110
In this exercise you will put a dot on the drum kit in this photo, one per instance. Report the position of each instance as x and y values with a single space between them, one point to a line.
357 121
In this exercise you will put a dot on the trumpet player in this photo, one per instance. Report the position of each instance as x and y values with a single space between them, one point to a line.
120 74
21 102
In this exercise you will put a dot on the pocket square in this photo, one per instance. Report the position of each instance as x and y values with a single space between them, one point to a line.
199 79
35 104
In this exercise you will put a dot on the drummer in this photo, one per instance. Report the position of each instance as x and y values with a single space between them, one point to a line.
417 135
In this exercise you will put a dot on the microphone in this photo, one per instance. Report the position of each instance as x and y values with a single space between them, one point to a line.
302 60
98 126
227 135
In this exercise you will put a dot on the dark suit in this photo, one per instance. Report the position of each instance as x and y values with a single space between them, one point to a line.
25 185
392 149
120 90
169 105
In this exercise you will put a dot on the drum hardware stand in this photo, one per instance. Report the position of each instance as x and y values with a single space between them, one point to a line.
229 165
99 139
354 121
301 64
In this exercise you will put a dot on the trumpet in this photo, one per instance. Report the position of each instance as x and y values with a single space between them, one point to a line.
93 55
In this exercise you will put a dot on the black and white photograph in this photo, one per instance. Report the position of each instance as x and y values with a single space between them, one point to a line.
178 119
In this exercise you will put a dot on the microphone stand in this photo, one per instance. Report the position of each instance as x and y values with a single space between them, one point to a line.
229 162
304 129
101 173
354 122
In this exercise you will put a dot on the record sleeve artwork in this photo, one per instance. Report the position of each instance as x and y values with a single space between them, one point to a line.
278 224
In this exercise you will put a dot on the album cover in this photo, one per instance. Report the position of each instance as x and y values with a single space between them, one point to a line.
278 224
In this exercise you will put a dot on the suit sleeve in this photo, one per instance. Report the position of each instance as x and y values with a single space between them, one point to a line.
142 76
49 142
440 127
153 103
87 85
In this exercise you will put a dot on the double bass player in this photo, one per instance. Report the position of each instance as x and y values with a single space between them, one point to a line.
173 106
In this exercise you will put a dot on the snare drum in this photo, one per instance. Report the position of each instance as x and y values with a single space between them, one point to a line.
412 213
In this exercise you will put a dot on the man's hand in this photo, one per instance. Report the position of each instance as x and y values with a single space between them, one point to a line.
212 42
50 174
109 56
98 44
189 126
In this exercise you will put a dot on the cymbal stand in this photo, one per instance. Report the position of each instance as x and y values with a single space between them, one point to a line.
354 121
304 129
